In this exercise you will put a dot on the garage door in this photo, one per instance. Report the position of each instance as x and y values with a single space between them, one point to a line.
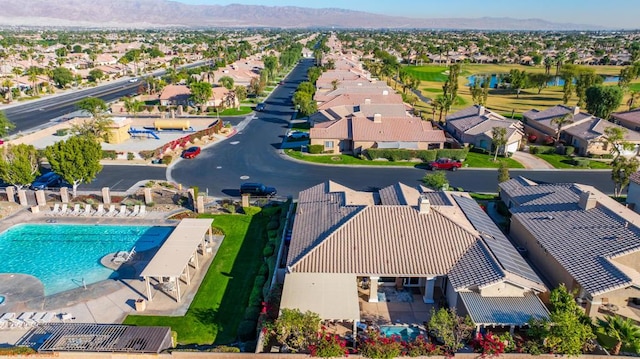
512 147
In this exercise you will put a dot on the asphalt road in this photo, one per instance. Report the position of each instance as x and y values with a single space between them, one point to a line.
253 155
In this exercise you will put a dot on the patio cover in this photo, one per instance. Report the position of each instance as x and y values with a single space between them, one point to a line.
176 252
332 296
503 311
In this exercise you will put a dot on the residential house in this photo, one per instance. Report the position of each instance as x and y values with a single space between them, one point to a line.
584 131
628 119
633 192
358 99
441 245
175 95
579 236
474 126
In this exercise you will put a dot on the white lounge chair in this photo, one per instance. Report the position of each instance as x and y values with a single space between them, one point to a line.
44 317
112 211
100 211
55 210
7 316
27 318
123 257
4 324
76 210
65 317
63 209
123 211
143 210
136 210
16 323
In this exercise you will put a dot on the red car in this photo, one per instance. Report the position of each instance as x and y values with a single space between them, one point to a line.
191 152
445 164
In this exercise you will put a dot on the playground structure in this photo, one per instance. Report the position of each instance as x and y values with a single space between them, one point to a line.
139 133
173 125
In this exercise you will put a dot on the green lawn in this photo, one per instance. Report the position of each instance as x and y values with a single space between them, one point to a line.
483 196
635 87
479 160
562 161
428 73
219 305
344 160
234 111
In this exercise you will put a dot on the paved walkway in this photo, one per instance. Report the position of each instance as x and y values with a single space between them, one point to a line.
530 161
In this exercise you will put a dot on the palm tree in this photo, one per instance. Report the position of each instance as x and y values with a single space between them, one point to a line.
548 62
8 83
623 330
560 59
635 95
561 121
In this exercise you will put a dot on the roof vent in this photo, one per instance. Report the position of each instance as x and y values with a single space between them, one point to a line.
587 201
377 118
548 217
385 93
424 206
481 110
576 110
367 101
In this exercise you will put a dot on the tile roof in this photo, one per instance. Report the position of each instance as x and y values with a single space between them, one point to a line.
635 177
589 238
359 99
395 129
631 116
594 128
503 310
173 91
475 268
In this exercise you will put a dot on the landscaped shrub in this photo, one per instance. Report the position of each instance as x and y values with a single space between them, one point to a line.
328 346
581 162
569 150
62 132
315 149
167 159
264 270
272 234
109 154
17 351
478 150
377 346
255 298
268 250
427 155
533 150
252 312
273 224
225 349
247 330
421 347
251 210
489 345
130 156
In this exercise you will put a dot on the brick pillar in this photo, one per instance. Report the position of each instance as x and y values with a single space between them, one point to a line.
64 194
148 196
41 199
191 194
245 200
22 197
106 195
11 194
200 204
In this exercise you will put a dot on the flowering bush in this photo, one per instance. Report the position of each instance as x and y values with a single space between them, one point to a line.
328 346
377 346
489 345
421 347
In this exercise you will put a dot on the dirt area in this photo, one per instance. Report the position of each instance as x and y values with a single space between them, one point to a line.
8 208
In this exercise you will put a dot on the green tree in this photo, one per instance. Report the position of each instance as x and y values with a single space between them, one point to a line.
498 140
76 160
270 65
627 74
307 87
19 165
97 125
539 80
95 75
295 329
226 81
201 92
503 172
621 171
615 137
93 105
6 125
452 329
603 100
450 89
518 80
437 181
570 330
133 106
241 93
560 122
584 80
313 74
623 330
304 102
62 76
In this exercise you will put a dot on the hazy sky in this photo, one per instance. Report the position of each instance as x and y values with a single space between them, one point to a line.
609 13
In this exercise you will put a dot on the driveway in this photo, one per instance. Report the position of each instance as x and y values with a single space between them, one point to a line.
530 161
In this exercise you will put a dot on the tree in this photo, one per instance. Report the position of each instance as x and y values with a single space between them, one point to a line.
498 140
270 64
95 75
633 97
305 103
626 75
451 328
313 74
226 82
98 125
503 172
603 100
307 87
539 80
615 137
437 181
295 329
623 330
621 171
62 76
133 106
548 62
570 330
241 93
561 121
93 105
518 80
450 88
76 160
201 92
584 80
6 125
19 165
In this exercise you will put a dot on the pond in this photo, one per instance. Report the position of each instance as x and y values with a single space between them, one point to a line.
555 81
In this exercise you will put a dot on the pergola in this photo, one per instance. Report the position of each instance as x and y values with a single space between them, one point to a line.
173 258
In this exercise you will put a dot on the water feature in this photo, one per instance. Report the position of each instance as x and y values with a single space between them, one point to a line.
555 81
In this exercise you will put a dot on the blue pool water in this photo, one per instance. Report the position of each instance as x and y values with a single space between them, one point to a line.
556 80
62 255
405 332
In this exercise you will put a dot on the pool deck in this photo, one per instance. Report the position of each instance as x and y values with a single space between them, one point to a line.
108 301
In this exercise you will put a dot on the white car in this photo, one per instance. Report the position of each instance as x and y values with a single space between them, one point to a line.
135 79
297 134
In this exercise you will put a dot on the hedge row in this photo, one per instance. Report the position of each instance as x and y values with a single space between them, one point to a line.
424 155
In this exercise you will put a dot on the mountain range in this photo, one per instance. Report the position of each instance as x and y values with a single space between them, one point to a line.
165 13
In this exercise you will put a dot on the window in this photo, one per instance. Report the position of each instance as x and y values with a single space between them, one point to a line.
328 144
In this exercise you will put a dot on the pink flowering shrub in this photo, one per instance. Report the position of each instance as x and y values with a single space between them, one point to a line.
328 346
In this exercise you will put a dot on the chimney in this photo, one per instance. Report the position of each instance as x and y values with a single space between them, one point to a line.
587 201
481 110
576 110
367 101
424 206
385 93
377 118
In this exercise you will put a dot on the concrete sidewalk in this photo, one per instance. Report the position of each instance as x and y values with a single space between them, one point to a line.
530 161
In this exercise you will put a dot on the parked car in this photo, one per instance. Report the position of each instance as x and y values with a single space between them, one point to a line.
191 152
135 79
261 106
445 164
49 179
296 135
257 189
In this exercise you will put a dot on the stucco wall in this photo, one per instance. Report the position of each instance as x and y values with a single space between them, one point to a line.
502 289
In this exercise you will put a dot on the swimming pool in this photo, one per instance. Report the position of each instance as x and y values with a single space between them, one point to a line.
404 331
62 255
